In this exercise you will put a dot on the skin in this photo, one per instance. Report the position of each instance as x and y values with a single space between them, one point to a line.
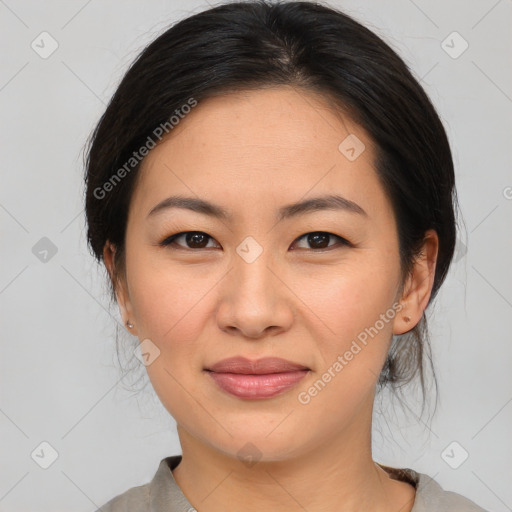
253 153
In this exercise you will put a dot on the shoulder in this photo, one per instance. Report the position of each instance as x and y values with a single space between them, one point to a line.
136 498
430 496
158 494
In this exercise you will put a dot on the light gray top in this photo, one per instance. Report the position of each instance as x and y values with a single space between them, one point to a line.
163 494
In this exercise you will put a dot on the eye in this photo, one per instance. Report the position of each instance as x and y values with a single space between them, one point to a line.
193 240
320 240
199 240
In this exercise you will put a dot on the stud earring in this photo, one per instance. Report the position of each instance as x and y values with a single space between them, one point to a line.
129 325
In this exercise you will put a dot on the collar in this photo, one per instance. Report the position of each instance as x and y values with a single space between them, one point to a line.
165 494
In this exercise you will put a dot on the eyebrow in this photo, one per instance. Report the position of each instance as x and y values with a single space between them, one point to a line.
326 202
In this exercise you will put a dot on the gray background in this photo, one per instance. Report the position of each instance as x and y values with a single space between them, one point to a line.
61 382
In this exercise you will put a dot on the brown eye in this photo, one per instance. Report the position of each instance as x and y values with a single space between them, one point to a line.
320 240
193 240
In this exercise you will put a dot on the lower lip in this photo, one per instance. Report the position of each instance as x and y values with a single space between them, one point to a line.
256 387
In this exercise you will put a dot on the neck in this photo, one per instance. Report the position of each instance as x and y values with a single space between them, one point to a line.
338 475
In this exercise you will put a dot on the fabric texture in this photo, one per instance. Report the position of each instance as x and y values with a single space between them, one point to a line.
163 494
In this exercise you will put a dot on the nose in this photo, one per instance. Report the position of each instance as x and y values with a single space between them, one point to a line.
254 299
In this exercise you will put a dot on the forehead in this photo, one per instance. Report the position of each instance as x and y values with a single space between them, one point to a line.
285 116
260 146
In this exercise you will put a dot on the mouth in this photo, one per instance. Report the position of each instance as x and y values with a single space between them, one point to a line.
256 379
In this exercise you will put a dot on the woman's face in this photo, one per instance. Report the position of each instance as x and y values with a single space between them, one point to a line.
253 284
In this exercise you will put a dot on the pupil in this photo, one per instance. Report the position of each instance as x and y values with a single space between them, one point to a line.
195 239
318 237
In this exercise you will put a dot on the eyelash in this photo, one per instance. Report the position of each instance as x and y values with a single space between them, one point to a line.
170 241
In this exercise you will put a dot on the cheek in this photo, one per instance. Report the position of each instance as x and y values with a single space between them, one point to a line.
172 307
357 307
169 305
350 300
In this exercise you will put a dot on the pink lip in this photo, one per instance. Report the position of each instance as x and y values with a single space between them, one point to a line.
261 378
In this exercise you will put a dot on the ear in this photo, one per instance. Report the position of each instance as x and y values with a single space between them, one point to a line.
122 295
418 286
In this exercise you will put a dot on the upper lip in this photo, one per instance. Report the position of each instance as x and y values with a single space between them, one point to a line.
264 365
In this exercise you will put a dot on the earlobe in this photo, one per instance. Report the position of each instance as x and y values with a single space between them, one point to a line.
121 295
419 285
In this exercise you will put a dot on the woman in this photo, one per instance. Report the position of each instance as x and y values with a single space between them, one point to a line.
272 194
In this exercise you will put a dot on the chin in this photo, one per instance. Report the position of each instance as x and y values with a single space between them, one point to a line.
251 446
